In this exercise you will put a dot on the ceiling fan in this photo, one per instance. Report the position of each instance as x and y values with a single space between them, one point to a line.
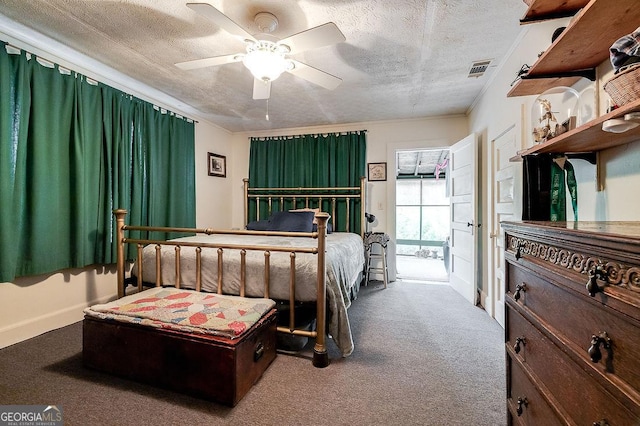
266 56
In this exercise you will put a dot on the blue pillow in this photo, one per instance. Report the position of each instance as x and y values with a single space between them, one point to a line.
292 221
259 225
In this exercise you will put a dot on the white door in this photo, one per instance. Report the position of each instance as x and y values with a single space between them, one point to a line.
505 181
463 240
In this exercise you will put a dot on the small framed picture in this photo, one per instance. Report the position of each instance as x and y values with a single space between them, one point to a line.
217 165
377 171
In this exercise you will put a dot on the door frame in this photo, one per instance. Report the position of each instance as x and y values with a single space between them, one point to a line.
491 300
390 205
427 276
502 205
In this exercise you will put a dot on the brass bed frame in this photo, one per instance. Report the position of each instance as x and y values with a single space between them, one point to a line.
311 197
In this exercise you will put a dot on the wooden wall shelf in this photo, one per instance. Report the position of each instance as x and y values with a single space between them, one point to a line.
589 137
541 10
534 86
584 44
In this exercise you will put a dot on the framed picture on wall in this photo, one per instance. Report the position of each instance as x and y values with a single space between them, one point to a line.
377 172
217 165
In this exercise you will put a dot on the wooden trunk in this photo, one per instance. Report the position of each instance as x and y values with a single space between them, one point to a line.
206 366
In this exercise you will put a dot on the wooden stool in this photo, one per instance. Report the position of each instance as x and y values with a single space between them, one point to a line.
381 239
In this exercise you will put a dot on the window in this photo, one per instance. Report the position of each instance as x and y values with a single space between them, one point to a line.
422 216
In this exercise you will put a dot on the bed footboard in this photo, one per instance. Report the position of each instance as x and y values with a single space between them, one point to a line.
320 354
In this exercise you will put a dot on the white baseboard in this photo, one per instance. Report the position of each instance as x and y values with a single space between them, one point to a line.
495 309
499 316
487 303
33 327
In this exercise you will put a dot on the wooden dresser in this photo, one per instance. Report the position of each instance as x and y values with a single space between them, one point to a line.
572 323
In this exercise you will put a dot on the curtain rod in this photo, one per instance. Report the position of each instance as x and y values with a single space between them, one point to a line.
15 50
315 135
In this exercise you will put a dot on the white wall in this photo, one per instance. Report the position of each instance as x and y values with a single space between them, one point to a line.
213 192
33 305
492 114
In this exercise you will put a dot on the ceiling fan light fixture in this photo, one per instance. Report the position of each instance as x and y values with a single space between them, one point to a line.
266 55
265 60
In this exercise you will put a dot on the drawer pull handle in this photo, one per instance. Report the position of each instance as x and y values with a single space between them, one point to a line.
602 422
596 273
520 287
518 254
522 401
594 350
517 347
258 352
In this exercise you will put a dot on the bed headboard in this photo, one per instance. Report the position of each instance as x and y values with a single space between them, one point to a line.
346 205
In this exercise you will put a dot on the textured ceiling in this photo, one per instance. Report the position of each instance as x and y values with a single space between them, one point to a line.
401 59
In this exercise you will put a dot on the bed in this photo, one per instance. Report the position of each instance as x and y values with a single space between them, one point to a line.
320 266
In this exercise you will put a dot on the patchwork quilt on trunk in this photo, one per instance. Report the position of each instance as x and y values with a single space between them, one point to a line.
186 310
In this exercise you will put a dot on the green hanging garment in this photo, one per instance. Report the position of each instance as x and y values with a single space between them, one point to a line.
559 167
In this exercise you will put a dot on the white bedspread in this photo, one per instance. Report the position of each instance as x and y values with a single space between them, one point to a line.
344 262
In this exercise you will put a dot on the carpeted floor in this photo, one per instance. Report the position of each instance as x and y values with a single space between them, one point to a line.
412 268
423 356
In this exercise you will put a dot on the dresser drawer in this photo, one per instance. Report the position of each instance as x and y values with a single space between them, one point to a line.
579 395
535 410
568 285
575 318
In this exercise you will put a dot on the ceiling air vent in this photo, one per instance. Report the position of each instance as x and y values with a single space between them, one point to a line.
478 68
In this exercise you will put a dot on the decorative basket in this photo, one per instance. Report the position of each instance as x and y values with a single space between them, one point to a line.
625 86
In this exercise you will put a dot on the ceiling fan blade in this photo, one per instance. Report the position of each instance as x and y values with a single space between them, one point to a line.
209 62
322 35
315 75
221 20
261 89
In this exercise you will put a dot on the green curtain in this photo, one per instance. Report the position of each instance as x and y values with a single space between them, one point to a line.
326 160
116 187
171 171
15 103
70 153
